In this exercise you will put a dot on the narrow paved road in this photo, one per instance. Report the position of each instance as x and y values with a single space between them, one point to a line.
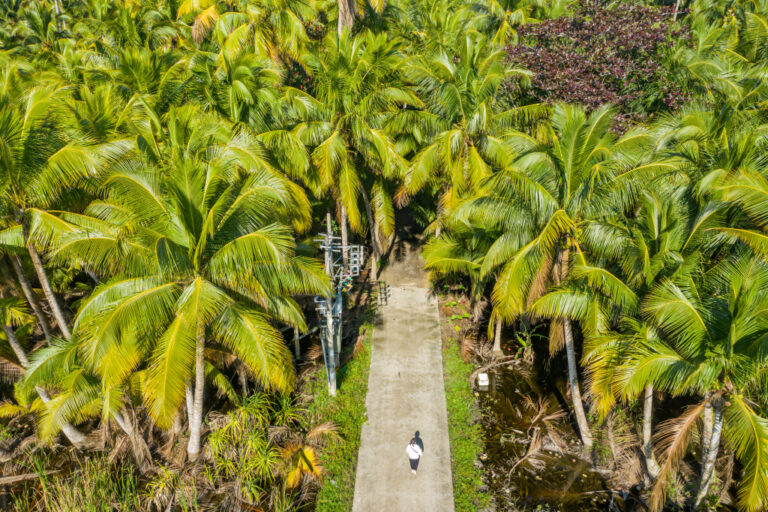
405 395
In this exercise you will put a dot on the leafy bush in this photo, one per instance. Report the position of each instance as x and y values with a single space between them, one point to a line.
602 55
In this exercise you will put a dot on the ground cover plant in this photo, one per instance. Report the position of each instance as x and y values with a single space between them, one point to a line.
605 54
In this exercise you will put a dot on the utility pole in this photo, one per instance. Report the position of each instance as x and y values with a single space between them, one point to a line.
342 263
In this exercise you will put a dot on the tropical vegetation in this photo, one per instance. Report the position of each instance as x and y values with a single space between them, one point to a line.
595 172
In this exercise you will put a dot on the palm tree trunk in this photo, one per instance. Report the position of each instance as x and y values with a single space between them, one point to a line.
706 432
243 378
60 24
347 12
75 437
13 341
570 350
196 416
29 293
497 338
708 468
650 461
190 402
573 380
53 301
139 446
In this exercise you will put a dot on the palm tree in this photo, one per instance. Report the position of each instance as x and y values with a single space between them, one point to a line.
711 345
464 129
558 186
200 251
430 27
14 316
265 29
664 240
34 168
353 156
460 249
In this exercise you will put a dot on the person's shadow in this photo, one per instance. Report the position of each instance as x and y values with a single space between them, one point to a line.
416 439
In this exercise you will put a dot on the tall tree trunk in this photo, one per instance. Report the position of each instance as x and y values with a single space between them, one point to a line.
497 338
570 350
190 402
708 468
75 437
677 10
196 420
707 419
343 221
242 376
53 301
347 12
573 380
650 461
29 293
57 9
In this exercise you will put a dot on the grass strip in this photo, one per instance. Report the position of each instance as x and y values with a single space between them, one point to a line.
347 411
464 432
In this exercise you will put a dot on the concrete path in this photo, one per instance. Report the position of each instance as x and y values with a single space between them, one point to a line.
405 395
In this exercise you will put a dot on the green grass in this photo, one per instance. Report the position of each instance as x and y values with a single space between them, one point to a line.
347 411
92 485
464 432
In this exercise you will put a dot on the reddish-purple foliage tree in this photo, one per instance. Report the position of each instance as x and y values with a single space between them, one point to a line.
603 55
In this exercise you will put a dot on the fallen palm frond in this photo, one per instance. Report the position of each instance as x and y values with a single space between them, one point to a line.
672 441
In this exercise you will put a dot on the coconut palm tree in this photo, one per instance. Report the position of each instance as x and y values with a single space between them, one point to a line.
430 28
34 168
354 158
265 29
460 250
667 239
712 346
557 187
199 250
464 129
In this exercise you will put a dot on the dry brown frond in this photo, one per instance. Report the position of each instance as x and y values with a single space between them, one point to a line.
314 352
401 198
324 431
540 281
672 440
556 336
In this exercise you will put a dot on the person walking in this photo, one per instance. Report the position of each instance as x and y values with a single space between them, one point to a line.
414 452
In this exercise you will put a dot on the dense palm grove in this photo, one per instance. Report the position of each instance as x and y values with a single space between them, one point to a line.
165 164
